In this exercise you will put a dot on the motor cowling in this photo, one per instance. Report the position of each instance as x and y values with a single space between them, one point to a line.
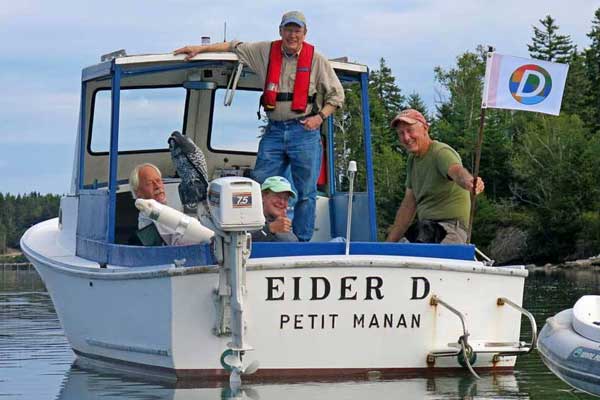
235 204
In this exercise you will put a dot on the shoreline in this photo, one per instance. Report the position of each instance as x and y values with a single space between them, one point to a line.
592 263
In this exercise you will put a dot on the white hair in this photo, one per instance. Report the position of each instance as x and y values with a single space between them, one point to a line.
134 177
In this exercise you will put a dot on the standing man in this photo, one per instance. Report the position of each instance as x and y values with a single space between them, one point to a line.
300 91
438 187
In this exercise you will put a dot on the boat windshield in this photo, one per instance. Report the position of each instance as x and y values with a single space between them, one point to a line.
236 128
147 115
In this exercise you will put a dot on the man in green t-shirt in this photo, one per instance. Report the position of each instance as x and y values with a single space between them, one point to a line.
437 185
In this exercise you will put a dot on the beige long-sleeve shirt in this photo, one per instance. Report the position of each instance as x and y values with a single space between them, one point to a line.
323 80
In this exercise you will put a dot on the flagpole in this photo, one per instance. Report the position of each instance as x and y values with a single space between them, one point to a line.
476 173
504 96
484 97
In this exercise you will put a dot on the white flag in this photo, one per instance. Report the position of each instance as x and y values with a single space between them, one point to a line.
523 84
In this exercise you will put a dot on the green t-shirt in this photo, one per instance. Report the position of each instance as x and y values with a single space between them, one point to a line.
438 197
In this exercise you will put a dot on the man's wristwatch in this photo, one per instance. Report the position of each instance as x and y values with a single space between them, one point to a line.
323 116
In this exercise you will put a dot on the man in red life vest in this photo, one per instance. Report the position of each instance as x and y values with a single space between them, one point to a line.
301 90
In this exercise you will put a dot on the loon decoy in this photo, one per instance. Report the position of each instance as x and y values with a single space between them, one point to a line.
191 168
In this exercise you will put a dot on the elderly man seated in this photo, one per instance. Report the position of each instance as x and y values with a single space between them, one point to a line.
276 192
146 182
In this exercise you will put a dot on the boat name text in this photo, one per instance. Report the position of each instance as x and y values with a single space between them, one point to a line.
349 288
330 321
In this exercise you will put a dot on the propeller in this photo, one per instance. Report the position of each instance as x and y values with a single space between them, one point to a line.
232 361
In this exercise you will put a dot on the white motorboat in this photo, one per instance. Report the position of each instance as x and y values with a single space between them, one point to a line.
290 309
569 344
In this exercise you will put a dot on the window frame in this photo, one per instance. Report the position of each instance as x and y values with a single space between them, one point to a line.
211 120
145 151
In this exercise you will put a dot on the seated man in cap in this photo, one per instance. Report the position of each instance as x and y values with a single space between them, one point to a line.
301 91
276 192
438 187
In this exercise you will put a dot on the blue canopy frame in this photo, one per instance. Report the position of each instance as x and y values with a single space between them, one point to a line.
115 72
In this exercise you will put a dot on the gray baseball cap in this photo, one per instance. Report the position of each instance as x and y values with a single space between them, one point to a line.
293 17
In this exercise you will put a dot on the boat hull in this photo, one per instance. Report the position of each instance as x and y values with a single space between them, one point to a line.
306 316
570 356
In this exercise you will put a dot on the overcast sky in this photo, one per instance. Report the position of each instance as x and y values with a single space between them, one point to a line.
45 44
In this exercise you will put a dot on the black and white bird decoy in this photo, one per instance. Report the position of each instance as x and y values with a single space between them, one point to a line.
191 168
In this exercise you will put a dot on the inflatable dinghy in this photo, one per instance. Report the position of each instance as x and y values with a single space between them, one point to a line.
569 345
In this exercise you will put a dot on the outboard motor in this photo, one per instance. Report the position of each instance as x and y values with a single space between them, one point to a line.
235 205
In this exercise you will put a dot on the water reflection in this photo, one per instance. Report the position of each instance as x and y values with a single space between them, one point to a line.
36 361
89 384
34 353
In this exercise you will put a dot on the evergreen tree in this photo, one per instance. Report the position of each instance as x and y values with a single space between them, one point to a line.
592 61
2 239
458 115
348 144
415 101
385 99
556 179
18 213
548 45
578 96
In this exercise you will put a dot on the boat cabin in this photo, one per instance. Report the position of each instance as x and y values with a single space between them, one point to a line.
129 107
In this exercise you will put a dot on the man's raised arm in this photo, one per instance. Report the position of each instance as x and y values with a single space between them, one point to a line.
464 179
192 50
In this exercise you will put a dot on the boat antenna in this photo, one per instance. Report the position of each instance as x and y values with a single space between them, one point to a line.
224 31
351 174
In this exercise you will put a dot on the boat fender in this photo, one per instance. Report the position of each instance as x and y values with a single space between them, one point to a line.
460 357
226 366
191 229
466 360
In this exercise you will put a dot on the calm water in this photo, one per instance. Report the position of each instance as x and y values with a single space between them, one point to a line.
37 363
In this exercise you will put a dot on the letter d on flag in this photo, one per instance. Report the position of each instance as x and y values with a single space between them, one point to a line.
516 83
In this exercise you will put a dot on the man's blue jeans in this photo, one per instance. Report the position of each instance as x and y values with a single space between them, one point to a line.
287 143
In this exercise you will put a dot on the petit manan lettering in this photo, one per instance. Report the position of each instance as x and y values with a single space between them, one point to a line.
347 288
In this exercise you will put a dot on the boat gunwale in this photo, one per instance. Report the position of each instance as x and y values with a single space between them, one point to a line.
276 263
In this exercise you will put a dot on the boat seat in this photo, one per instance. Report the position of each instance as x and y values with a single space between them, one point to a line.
126 218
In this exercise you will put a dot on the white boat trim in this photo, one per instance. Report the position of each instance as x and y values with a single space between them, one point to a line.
225 56
275 263
128 347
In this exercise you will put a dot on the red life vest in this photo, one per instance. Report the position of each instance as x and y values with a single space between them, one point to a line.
303 68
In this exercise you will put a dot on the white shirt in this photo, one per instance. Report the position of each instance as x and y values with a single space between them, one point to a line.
171 237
